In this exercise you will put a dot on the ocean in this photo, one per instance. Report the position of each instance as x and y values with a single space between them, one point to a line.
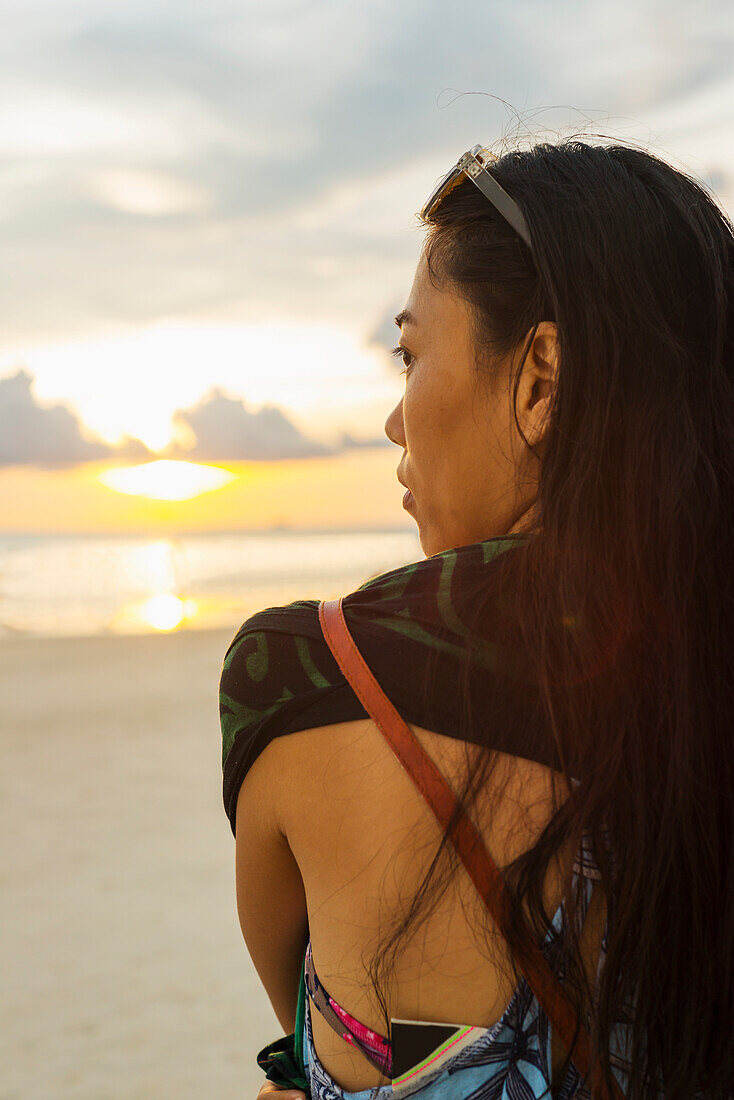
95 584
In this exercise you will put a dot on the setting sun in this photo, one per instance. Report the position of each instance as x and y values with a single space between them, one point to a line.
166 480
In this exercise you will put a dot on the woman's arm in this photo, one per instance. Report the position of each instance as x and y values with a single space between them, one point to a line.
271 900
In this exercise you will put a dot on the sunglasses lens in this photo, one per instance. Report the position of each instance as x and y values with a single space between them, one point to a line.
441 189
435 195
454 176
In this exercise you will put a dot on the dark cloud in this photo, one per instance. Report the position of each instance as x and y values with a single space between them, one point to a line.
386 334
226 430
33 434
347 442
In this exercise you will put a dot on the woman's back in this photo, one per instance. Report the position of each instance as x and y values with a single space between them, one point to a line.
602 423
363 838
359 830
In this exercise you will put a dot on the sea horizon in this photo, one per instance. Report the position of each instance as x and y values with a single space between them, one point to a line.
101 582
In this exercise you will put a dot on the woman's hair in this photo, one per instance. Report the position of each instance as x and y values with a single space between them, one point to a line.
623 598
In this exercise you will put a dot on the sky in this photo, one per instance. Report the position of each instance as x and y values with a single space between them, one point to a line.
208 220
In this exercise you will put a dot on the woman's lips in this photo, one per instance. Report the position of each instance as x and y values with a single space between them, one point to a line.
407 498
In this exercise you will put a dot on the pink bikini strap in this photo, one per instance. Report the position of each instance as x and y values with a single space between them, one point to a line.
374 1047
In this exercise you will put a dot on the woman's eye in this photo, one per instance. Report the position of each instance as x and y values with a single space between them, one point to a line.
400 352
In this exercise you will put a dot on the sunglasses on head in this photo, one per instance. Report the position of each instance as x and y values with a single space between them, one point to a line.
472 164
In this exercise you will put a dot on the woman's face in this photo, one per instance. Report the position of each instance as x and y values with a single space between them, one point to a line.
469 472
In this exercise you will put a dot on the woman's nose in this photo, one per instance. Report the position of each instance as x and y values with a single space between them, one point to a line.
394 425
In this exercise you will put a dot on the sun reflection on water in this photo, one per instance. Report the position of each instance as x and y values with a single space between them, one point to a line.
166 611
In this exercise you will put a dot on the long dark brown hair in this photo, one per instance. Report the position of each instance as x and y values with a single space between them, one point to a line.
623 599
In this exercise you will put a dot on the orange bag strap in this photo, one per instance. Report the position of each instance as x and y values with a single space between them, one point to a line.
467 841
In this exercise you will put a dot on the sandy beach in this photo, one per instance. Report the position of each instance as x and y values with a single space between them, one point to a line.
124 971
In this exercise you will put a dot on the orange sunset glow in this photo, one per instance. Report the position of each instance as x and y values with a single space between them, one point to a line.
357 489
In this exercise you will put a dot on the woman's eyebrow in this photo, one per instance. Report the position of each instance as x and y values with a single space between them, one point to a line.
405 317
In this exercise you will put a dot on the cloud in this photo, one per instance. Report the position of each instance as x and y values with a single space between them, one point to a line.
33 434
218 428
221 428
172 157
347 442
386 335
224 429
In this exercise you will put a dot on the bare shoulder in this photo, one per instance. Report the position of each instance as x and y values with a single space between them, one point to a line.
345 777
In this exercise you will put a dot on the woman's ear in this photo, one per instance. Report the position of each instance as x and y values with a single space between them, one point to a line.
537 382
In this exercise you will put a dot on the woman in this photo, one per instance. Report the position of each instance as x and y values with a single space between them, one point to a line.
563 653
